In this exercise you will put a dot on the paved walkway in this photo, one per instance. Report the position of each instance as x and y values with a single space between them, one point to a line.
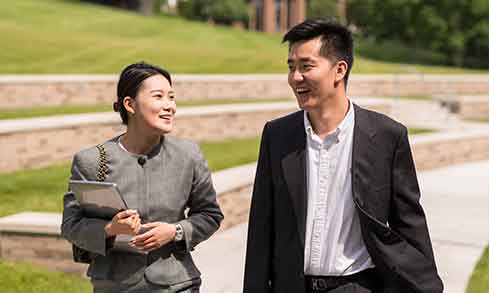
456 201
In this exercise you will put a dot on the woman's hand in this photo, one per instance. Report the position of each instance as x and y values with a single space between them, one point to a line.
125 222
159 234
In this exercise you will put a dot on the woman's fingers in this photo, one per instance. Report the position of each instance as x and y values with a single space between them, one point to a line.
151 224
126 213
151 246
135 225
139 239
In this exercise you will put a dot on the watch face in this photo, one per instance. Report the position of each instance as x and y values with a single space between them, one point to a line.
179 233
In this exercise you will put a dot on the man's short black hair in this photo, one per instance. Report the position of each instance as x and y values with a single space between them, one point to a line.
336 40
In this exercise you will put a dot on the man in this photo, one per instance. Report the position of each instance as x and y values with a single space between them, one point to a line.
335 204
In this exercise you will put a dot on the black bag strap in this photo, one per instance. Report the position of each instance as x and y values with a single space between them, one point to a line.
102 164
80 255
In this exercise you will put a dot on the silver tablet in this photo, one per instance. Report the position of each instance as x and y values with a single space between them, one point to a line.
98 199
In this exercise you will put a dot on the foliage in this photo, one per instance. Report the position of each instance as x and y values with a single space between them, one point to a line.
229 11
220 11
194 9
457 29
322 9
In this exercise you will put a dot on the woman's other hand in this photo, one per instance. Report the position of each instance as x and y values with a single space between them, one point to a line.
124 222
159 234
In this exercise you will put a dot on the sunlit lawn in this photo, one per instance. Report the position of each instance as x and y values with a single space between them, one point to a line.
479 280
25 278
68 36
413 131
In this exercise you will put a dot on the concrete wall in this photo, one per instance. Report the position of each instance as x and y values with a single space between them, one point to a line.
37 90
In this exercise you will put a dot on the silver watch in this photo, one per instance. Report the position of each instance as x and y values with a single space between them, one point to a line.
179 232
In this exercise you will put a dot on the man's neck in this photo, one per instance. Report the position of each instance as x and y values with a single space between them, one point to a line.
327 118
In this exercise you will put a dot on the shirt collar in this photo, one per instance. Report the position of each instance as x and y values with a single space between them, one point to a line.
340 130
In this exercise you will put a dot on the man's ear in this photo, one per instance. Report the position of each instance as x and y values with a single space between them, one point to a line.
128 103
341 69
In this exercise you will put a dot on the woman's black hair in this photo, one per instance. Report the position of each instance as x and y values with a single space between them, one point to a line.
130 81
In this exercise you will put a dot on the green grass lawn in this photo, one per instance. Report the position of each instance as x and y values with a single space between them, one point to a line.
26 278
479 280
79 109
418 97
43 189
413 131
69 36
480 120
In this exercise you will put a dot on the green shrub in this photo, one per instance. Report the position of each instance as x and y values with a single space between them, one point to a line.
322 9
220 11
229 11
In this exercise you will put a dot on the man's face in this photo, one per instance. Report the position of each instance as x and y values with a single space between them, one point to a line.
312 77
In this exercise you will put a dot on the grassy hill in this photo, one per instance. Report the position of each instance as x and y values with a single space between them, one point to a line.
69 36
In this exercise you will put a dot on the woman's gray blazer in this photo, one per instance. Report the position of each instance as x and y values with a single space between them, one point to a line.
173 185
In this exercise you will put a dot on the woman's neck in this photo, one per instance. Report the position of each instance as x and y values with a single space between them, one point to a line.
137 143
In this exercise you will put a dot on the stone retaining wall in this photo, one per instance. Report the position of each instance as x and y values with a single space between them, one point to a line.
444 149
35 143
468 107
17 91
48 249
44 147
51 251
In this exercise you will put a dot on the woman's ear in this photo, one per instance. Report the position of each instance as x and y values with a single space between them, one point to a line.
128 104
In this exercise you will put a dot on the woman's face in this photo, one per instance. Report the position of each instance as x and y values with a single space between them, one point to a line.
154 107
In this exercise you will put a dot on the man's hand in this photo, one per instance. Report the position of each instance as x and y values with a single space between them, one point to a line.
125 222
159 234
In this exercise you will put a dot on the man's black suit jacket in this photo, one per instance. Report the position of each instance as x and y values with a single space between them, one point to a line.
385 192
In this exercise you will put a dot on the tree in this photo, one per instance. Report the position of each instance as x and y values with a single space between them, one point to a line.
322 9
220 11
458 29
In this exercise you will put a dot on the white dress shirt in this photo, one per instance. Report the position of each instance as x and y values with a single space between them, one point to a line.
333 243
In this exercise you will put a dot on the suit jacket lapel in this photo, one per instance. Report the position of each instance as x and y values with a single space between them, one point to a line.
362 154
294 170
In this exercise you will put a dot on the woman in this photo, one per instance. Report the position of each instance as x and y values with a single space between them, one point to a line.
159 178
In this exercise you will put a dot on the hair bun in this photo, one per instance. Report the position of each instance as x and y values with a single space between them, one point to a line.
115 106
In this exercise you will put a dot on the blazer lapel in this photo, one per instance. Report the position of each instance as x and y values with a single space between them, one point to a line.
362 154
294 170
